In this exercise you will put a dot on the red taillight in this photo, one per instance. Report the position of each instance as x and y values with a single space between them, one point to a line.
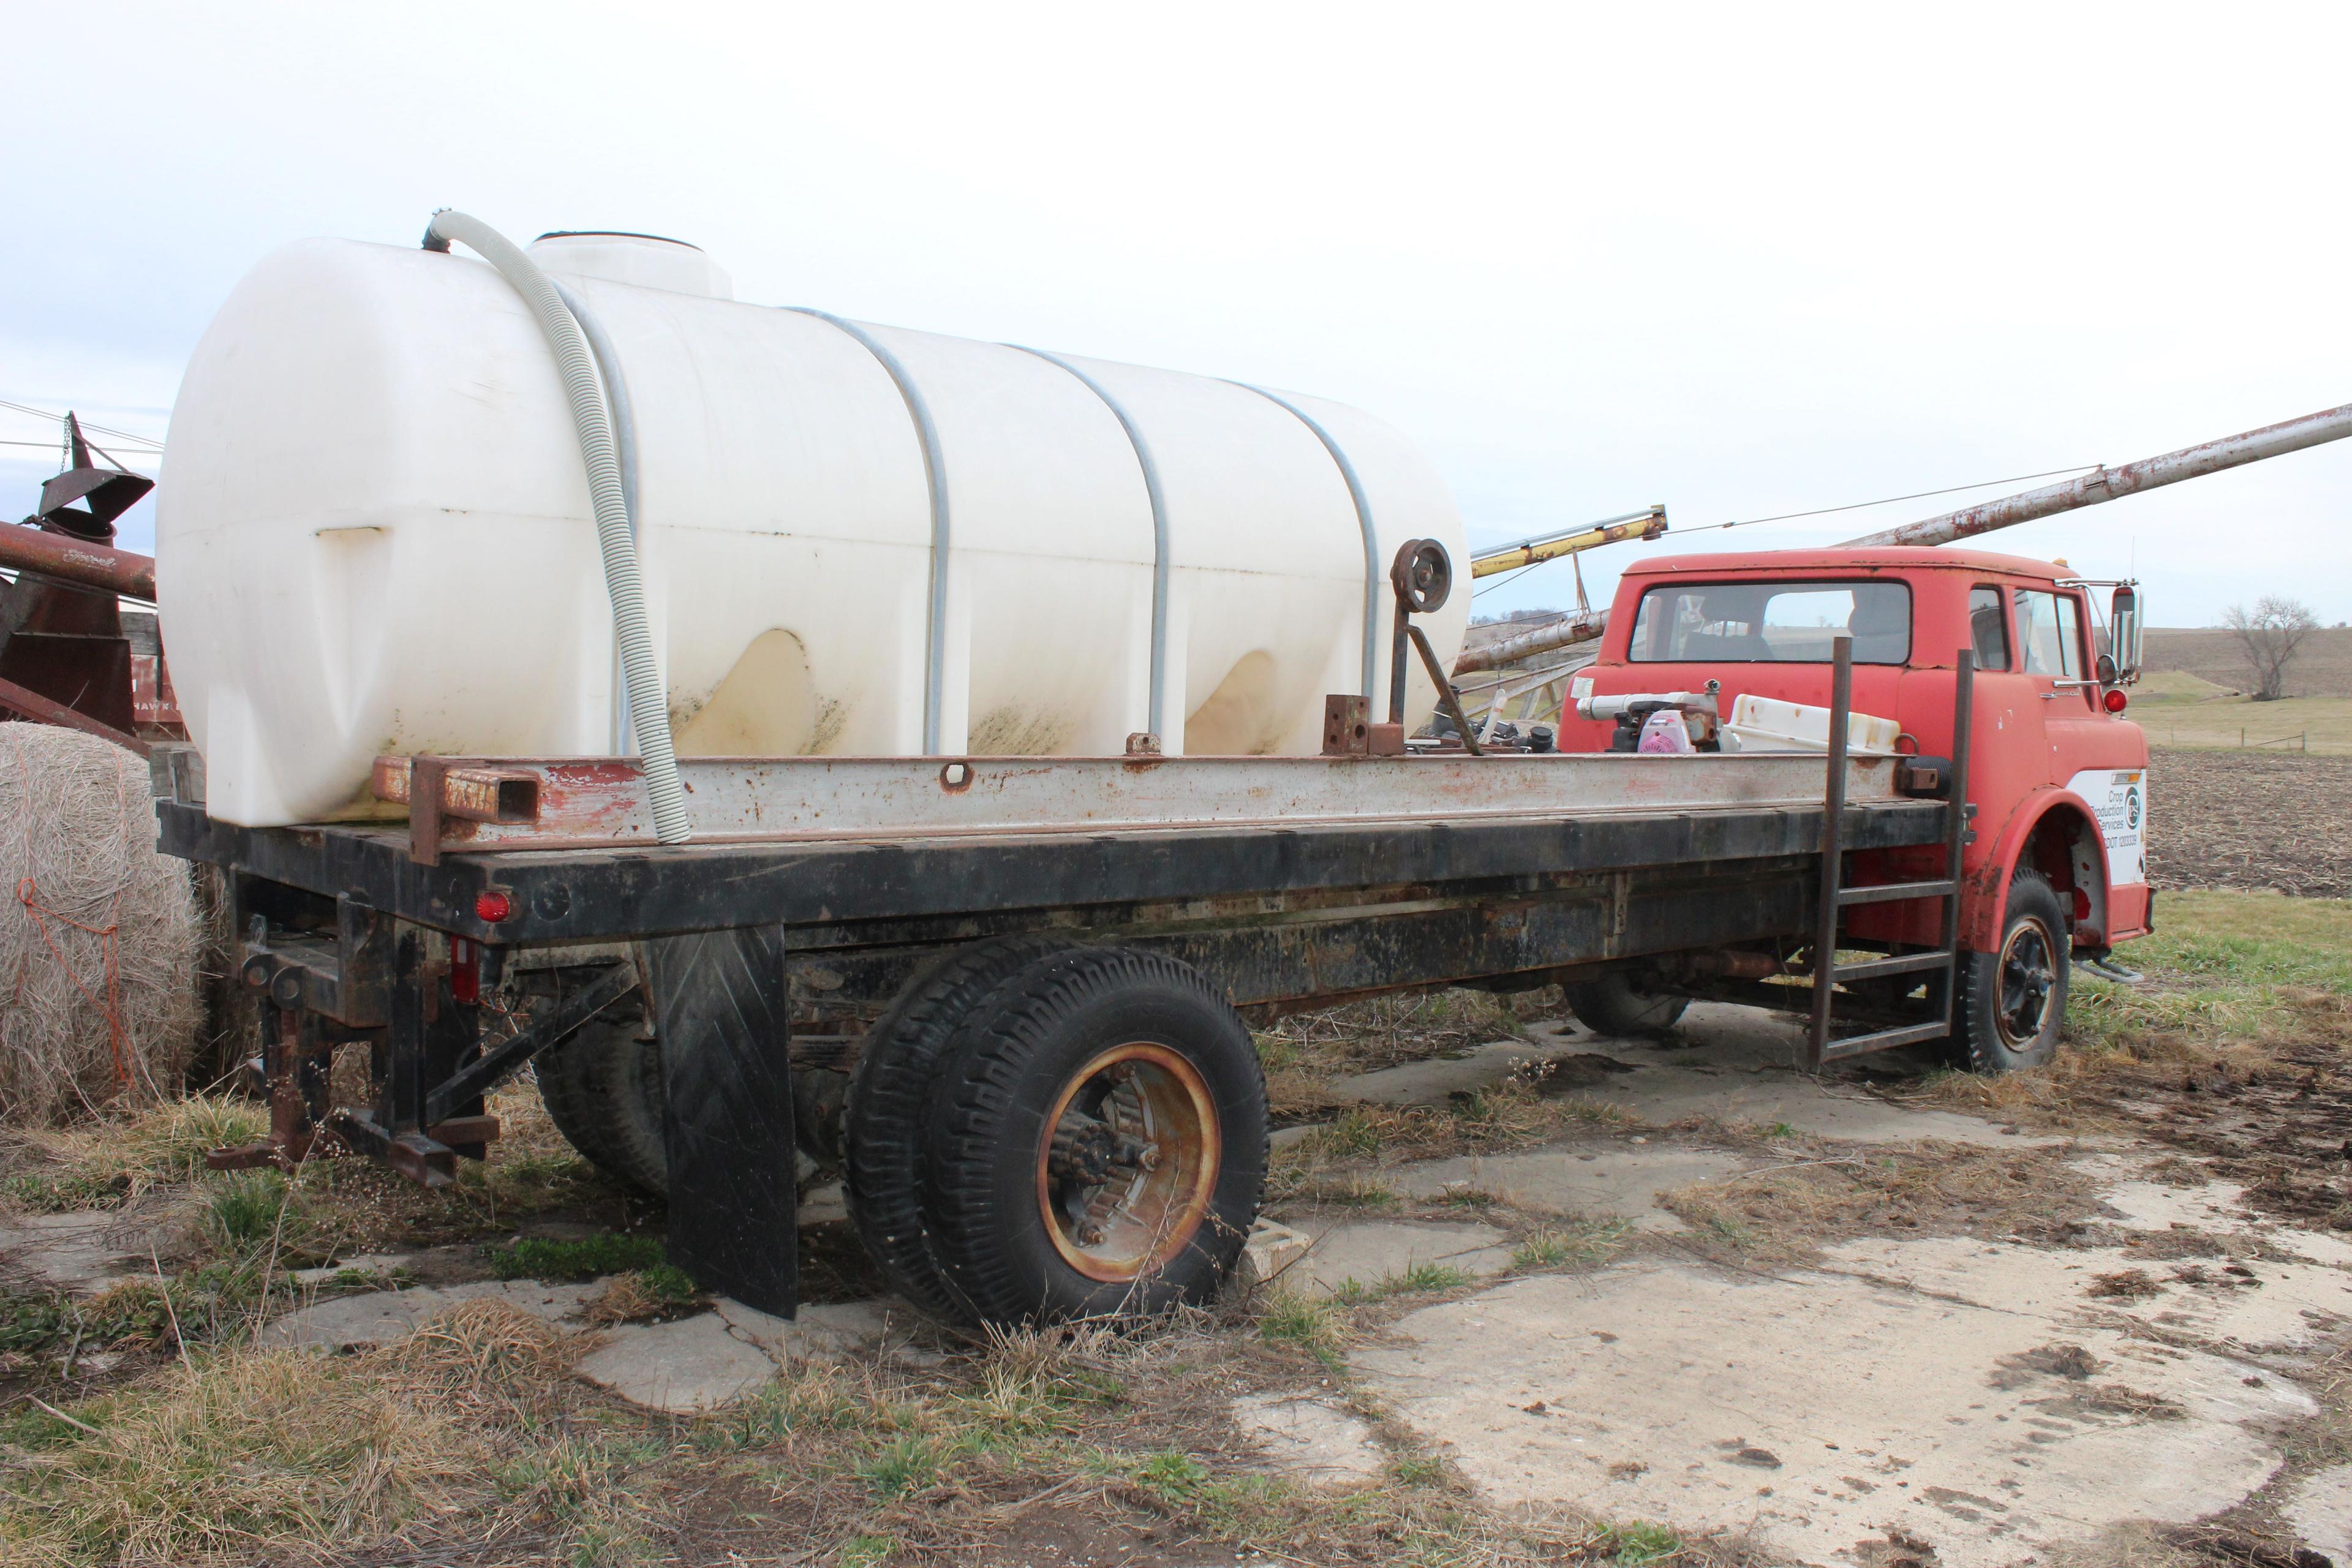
492 907
2115 700
464 971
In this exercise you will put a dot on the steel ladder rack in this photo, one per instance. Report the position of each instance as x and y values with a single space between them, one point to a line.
1940 963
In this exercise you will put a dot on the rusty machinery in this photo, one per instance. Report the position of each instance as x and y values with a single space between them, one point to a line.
69 654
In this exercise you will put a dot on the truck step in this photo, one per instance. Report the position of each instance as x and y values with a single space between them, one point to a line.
1883 1040
1901 963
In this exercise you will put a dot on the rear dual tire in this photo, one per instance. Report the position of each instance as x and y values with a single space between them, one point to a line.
603 1089
1088 1140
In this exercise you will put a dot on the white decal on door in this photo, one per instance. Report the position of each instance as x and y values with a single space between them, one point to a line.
2118 799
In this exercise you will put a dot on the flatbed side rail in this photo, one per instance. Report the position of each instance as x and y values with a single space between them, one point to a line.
516 804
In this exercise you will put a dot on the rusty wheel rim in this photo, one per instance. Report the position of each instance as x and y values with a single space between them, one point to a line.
2029 979
1128 1161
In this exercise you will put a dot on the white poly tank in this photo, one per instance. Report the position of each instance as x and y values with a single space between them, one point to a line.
374 533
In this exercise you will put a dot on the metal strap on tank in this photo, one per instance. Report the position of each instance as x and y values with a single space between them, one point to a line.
1159 533
935 471
1363 519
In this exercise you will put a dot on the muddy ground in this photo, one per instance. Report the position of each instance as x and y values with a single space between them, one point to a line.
2245 819
1528 1295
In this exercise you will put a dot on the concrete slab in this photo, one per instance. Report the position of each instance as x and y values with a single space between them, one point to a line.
828 1204
2258 1309
1610 1180
1825 1408
365 1263
1371 1252
1319 1445
1424 1082
354 1322
828 1331
688 1364
86 1250
2219 1209
2320 1508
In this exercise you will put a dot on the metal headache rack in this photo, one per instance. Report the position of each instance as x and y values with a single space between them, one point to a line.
1940 963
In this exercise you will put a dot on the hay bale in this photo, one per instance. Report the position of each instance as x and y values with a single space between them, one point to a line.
99 936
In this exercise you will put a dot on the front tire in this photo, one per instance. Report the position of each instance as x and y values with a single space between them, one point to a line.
2011 1002
1100 1142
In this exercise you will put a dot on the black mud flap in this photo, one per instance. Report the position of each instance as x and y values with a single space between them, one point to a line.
720 1010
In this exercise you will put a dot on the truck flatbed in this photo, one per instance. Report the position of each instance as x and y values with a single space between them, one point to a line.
883 839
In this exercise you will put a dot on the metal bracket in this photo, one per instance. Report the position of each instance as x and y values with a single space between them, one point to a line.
503 1061
1422 576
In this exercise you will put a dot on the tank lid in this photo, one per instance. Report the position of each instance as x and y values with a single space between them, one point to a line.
647 260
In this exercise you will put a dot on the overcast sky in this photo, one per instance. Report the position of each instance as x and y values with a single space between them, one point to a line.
1742 260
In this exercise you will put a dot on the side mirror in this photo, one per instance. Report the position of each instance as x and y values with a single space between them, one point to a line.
2105 669
2124 623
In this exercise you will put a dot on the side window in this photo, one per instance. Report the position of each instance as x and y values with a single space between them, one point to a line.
1988 628
2051 628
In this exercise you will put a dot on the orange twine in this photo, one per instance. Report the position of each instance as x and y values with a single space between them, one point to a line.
117 1037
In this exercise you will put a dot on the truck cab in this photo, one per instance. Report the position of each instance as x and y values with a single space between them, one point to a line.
2057 777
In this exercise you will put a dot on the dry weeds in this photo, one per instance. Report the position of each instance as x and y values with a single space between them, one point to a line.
469 1427
121 1156
1333 1162
245 1451
1784 1214
1303 1052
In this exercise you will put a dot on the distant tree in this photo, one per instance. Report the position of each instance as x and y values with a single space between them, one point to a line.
2268 638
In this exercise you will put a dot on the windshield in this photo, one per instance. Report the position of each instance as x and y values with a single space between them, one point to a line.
1772 623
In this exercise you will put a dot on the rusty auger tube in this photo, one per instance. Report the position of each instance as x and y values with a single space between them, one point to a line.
2103 484
2106 484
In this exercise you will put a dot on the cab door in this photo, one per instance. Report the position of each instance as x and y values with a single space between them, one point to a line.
2093 754
2009 750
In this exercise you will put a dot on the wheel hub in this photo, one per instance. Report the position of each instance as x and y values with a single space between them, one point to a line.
1127 1170
2028 977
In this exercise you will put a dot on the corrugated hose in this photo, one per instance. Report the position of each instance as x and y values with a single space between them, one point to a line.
648 702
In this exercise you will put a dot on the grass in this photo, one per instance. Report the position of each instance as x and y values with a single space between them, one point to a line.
1513 1114
246 1211
811 1400
112 1161
2229 977
469 1436
905 1466
1779 1215
242 1452
1424 1277
1286 1318
543 1257
1582 1245
643 1296
1637 1544
2175 714
1302 1054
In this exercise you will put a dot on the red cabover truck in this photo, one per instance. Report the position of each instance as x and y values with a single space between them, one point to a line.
2056 778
